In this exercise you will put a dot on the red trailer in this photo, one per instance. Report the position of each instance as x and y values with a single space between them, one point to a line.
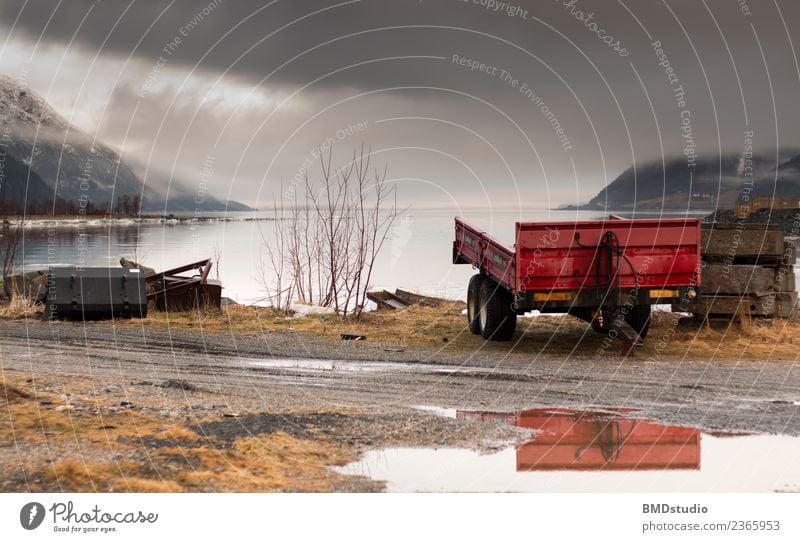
606 272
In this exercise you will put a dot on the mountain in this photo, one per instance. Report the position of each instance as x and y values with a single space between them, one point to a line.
65 158
785 181
181 198
18 187
186 203
71 164
712 184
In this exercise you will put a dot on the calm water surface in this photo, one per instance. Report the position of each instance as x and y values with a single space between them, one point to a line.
585 450
416 256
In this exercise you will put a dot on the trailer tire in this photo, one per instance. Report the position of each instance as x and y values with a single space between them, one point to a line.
498 321
638 317
473 303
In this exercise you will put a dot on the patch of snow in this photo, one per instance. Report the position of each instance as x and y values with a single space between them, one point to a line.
301 310
437 410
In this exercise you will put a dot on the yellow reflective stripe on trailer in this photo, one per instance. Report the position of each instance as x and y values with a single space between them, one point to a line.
664 293
553 296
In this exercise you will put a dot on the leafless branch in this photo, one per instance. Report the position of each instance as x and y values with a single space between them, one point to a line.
328 236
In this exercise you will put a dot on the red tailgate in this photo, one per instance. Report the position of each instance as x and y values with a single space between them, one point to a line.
564 255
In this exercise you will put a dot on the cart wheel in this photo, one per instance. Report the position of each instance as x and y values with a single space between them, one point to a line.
639 319
473 299
496 316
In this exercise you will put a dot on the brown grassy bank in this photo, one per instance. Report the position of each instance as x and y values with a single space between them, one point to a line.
671 336
58 435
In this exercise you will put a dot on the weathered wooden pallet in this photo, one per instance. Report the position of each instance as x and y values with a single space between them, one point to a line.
747 269
387 300
789 253
774 304
747 279
732 241
401 299
419 299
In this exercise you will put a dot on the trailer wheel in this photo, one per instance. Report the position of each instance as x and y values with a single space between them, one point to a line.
639 319
496 317
473 303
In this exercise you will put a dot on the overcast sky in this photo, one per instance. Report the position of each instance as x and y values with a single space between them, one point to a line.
571 92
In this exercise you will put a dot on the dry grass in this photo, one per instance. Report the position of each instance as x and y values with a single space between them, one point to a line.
12 393
20 307
276 462
418 325
130 451
75 475
670 337
750 339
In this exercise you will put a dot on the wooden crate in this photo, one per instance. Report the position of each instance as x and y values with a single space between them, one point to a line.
777 305
747 269
747 279
743 243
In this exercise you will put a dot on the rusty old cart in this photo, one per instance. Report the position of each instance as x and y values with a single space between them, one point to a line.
169 290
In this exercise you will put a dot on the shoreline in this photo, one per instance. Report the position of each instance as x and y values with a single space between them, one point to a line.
40 221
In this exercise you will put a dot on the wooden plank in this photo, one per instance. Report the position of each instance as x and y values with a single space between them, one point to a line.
386 300
742 243
778 305
786 304
740 226
786 281
419 299
737 279
789 253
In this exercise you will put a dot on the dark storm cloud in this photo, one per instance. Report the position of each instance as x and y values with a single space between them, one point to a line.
253 38
257 37
552 84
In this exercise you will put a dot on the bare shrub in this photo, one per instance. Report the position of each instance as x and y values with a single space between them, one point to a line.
217 258
21 306
274 275
328 235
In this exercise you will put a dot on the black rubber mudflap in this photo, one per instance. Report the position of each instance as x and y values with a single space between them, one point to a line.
613 321
638 317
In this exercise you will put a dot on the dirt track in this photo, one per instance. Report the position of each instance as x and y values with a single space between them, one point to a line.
267 372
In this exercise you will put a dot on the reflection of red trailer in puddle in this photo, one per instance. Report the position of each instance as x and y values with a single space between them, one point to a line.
575 440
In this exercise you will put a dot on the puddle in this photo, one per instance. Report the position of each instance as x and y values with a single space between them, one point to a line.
593 451
438 411
319 365
344 366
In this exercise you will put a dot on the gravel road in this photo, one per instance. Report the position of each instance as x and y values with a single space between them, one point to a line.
290 370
